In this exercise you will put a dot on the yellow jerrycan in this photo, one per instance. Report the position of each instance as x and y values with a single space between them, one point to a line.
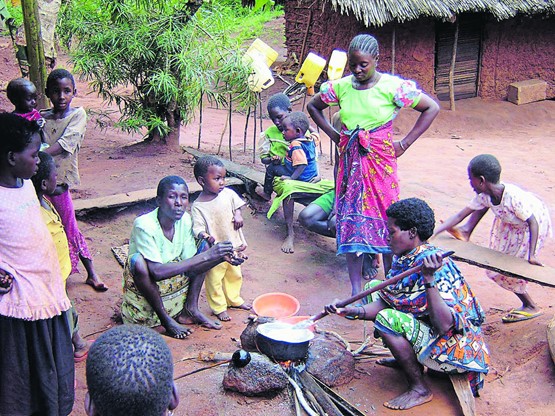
336 65
261 51
310 70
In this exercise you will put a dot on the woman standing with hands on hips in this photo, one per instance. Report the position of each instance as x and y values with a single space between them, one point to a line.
366 182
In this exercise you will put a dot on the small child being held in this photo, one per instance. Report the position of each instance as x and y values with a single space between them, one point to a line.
45 184
300 161
521 225
22 93
217 217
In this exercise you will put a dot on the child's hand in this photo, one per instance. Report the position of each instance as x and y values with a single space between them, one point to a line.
237 220
276 160
284 178
533 260
6 280
208 238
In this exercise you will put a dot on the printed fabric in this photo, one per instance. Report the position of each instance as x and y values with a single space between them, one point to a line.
367 182
463 346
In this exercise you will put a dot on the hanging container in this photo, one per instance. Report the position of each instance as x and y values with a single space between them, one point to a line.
310 70
261 51
336 65
261 76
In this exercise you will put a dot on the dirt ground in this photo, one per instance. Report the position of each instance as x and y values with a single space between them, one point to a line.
522 375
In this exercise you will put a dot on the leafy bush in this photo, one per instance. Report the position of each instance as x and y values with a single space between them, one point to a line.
156 60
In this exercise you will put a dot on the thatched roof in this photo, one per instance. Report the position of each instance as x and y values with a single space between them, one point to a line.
380 12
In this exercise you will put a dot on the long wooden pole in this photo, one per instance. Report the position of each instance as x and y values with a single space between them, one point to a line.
35 49
452 68
380 286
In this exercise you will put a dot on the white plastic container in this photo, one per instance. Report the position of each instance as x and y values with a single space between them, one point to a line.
310 70
336 65
261 76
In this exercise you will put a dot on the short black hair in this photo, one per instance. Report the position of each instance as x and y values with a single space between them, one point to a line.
167 182
14 88
203 163
59 73
299 120
487 166
279 100
130 372
366 44
413 212
16 133
46 166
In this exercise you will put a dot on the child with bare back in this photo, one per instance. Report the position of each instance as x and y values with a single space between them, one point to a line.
44 182
217 217
521 225
64 132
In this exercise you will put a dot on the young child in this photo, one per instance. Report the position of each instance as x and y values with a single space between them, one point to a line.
520 226
36 360
44 182
217 217
22 93
300 161
64 131
273 146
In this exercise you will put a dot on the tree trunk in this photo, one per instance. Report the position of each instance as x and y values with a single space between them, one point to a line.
174 123
35 49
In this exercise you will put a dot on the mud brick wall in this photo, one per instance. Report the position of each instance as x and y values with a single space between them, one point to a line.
516 50
512 50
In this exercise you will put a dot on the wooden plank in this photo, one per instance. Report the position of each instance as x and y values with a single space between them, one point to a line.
551 338
464 393
234 169
493 260
134 197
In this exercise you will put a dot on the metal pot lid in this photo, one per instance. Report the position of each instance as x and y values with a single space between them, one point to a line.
280 331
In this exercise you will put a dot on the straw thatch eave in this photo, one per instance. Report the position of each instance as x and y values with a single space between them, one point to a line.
379 12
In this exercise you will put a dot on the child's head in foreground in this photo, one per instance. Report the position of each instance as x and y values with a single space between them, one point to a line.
295 125
60 88
279 106
210 173
483 168
19 145
130 373
22 93
45 178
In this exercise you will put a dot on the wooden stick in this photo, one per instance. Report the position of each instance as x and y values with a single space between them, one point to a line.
230 113
200 121
246 128
319 394
380 286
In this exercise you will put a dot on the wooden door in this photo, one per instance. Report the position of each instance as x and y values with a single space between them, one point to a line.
467 64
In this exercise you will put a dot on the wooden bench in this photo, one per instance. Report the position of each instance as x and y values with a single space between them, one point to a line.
251 177
134 197
486 258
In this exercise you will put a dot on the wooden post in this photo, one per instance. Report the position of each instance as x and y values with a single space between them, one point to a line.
246 128
452 67
254 132
35 49
463 391
230 113
393 35
200 121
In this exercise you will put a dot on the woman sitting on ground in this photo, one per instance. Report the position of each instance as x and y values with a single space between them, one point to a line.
430 318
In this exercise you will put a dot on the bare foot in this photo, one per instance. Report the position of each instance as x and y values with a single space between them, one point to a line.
259 190
245 306
197 317
174 330
409 399
97 284
288 245
223 316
